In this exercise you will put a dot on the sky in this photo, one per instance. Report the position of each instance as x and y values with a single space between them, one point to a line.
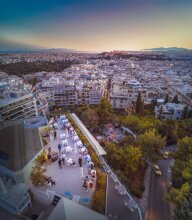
95 25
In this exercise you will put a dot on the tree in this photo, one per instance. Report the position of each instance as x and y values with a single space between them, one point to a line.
139 105
33 81
105 110
41 158
141 124
175 99
114 156
187 172
166 99
127 158
171 131
184 211
185 128
90 118
190 113
21 68
132 156
160 112
154 102
37 175
184 149
132 122
151 143
185 112
178 196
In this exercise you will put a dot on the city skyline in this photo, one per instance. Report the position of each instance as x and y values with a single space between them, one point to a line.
96 25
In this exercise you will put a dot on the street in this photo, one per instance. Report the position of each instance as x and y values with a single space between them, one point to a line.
158 209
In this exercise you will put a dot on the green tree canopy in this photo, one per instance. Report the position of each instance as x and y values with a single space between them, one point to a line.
90 118
127 158
184 211
141 124
105 110
175 99
185 112
170 130
132 156
166 99
187 172
21 68
178 196
151 143
132 122
184 149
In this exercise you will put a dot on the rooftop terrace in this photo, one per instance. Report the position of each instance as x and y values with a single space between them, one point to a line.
68 178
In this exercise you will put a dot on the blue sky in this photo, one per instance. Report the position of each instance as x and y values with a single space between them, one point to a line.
96 24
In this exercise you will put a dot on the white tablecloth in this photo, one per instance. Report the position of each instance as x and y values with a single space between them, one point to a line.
68 149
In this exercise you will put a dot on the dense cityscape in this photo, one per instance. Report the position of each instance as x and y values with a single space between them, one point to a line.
96 110
136 108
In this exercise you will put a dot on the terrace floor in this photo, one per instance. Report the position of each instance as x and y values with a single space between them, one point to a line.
68 178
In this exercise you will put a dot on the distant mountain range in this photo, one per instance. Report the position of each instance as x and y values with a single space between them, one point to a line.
169 49
35 50
57 50
11 46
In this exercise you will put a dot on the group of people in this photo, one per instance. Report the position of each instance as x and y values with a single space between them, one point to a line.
88 183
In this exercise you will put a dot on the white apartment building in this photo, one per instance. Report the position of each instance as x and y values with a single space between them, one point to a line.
90 93
124 92
63 92
18 106
169 111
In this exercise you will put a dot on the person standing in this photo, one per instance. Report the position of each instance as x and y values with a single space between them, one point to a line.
81 172
75 148
49 150
55 134
60 163
85 185
92 166
49 158
59 148
63 158
80 161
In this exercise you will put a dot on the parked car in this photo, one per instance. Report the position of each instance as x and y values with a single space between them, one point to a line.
157 169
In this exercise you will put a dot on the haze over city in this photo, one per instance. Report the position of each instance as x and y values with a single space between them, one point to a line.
95 25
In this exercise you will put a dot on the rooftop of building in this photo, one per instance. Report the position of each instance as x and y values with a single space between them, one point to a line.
69 210
14 97
15 194
19 145
70 177
174 105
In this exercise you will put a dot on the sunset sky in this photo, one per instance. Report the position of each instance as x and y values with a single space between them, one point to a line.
96 25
